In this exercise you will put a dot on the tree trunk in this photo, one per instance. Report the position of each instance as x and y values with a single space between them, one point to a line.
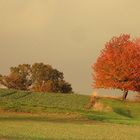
125 95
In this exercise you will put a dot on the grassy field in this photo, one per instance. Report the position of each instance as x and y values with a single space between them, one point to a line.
47 127
49 116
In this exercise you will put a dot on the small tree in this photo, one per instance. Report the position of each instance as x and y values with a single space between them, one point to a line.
118 65
19 77
64 87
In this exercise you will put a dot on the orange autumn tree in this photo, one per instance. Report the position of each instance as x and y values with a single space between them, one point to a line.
118 66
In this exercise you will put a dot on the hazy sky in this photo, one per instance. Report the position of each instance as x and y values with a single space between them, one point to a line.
68 34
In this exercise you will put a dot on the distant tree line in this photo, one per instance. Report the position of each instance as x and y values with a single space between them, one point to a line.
38 77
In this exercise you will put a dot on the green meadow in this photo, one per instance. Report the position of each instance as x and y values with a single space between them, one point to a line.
50 116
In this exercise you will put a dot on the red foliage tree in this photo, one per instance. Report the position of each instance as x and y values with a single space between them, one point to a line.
118 66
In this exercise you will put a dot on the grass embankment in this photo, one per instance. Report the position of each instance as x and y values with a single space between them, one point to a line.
41 116
21 101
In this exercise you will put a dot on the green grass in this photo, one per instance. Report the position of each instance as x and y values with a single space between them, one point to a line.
122 112
50 127
41 116
22 101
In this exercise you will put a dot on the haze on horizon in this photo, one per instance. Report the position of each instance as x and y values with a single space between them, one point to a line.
67 34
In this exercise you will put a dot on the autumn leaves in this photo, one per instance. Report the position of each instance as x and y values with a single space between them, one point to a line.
118 65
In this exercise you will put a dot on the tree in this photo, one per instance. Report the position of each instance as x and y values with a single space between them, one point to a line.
47 79
40 72
44 87
64 87
118 65
19 77
37 77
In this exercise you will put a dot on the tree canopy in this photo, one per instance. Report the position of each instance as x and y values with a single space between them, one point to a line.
37 77
118 65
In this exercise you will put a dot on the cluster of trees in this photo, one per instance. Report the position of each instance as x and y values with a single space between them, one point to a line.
118 66
36 77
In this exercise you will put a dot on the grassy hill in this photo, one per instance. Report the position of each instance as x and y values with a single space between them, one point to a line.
49 116
21 101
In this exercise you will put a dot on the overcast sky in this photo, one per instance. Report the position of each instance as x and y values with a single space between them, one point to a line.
68 34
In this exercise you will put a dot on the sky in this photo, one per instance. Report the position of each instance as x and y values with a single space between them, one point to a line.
67 34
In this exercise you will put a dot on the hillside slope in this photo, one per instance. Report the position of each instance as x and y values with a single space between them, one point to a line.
29 102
